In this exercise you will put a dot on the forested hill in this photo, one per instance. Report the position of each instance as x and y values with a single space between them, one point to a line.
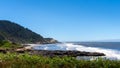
18 34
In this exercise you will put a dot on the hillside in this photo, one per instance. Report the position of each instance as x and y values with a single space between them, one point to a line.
18 34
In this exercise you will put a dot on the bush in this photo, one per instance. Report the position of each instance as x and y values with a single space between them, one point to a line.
33 61
8 44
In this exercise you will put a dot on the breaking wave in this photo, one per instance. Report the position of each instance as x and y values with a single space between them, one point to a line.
110 53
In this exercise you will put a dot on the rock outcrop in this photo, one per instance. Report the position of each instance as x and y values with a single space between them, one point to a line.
65 53
50 53
50 40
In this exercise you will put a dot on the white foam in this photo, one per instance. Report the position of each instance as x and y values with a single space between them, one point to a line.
110 53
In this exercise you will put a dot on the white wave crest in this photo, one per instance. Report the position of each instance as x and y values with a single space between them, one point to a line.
110 53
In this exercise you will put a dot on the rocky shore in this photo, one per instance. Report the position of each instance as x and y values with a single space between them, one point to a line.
65 53
51 53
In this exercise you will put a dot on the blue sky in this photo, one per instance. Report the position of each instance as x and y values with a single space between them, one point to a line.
66 20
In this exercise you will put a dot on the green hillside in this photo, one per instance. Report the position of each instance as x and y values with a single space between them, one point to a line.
18 34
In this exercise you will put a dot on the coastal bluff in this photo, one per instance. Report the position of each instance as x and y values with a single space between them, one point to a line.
18 34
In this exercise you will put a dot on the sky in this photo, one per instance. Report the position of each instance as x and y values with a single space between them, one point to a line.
66 20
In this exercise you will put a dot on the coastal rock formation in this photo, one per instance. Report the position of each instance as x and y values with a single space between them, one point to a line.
50 40
51 53
65 53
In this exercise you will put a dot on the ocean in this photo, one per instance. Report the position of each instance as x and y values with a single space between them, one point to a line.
107 45
110 49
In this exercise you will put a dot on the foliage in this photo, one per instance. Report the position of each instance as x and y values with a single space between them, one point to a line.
16 33
8 44
33 61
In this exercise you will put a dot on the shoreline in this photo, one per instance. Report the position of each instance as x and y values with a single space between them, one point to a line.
51 53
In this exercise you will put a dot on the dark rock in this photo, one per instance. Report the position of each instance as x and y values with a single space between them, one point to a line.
52 53
3 51
20 51
65 53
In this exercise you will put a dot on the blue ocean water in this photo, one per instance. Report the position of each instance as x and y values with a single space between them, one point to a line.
106 45
110 49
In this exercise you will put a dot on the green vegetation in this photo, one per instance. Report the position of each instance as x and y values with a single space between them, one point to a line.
16 33
34 61
25 60
7 44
